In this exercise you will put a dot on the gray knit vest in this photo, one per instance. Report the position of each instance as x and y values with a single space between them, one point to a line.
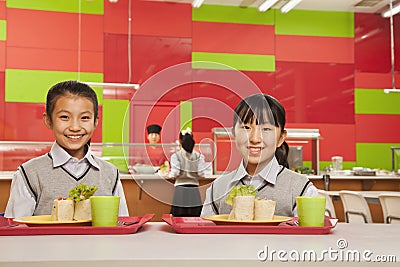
287 187
46 183
189 164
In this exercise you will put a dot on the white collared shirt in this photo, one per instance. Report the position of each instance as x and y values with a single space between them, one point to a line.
266 175
21 203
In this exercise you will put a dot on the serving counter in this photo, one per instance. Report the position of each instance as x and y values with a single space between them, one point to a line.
157 245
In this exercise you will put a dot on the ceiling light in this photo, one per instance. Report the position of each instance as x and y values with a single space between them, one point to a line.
267 4
290 5
391 11
197 3
113 85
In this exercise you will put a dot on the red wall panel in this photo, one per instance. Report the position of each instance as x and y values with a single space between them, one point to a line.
233 38
336 139
316 92
148 18
2 56
374 128
375 80
44 29
3 10
314 49
53 59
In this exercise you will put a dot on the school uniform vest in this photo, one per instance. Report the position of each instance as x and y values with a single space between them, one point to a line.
46 183
189 164
287 187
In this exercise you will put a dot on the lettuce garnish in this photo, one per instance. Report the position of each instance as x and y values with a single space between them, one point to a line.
240 190
82 192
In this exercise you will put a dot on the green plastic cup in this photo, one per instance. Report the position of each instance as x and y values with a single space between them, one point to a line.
105 210
311 211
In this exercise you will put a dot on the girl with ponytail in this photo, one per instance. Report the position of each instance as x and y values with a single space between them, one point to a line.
259 133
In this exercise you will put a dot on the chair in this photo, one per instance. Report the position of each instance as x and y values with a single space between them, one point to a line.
329 209
355 207
390 207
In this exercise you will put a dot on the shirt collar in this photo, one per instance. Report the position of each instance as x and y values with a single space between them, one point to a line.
269 173
60 156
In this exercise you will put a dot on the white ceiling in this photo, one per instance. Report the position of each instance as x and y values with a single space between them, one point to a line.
364 6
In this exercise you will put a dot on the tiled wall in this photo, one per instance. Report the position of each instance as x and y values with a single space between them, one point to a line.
327 68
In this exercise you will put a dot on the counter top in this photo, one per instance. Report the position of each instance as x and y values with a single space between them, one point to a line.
157 245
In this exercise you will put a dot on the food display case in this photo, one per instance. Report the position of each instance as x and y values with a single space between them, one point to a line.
226 158
123 155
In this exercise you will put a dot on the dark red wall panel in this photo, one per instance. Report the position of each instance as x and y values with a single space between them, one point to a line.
316 92
369 128
223 38
314 49
43 29
53 59
372 43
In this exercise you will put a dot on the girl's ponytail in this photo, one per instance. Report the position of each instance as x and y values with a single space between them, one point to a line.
282 154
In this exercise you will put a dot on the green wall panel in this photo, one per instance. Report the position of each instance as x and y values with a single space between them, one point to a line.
375 101
185 109
72 6
32 85
231 14
3 30
315 23
237 61
115 130
374 155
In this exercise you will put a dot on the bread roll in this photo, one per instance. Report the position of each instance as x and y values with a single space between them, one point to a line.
63 210
264 209
243 208
83 210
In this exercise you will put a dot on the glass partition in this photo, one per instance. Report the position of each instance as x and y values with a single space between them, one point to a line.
126 157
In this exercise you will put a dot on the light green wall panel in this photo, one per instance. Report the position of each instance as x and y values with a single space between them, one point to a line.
3 30
315 23
374 155
116 130
185 109
87 7
232 14
375 101
202 60
32 85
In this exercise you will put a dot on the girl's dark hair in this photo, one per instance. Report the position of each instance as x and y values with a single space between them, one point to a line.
264 109
187 141
70 88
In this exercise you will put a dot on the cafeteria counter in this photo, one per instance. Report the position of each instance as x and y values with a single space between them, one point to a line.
156 244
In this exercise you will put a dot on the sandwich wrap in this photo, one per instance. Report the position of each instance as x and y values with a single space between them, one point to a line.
241 198
81 194
264 209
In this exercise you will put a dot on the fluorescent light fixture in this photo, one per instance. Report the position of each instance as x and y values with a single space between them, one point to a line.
289 6
392 90
113 85
267 4
391 11
197 3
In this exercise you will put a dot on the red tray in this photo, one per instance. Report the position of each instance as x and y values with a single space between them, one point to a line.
196 225
132 225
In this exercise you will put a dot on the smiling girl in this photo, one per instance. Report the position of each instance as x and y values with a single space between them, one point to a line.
259 133
72 115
